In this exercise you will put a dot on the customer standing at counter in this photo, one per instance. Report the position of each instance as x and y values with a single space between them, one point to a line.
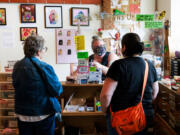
100 59
36 88
123 85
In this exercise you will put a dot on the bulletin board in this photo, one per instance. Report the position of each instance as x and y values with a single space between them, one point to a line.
65 46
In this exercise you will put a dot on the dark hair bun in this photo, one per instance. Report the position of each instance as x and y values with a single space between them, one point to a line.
133 44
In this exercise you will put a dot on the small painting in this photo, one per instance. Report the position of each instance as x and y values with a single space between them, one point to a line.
27 31
2 16
28 13
80 15
53 16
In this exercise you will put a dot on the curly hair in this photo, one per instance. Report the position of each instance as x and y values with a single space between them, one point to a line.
32 45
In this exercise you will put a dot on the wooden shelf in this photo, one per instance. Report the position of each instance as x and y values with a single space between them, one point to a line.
2 91
67 84
83 114
163 124
7 117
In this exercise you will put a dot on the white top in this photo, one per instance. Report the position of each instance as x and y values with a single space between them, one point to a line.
31 118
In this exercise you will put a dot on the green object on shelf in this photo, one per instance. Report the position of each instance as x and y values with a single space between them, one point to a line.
92 69
98 103
165 49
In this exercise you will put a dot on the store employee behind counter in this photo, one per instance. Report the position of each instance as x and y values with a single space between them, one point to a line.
100 59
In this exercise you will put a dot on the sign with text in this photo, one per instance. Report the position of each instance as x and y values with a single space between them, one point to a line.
79 42
82 55
153 25
145 17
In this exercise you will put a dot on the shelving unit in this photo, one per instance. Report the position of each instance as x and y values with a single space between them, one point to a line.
91 122
8 121
167 118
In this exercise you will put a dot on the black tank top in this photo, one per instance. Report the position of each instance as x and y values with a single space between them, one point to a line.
103 62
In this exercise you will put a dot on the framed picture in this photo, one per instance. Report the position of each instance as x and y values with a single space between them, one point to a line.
27 31
53 16
81 14
28 13
2 16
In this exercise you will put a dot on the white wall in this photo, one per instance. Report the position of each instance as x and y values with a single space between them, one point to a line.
172 9
13 26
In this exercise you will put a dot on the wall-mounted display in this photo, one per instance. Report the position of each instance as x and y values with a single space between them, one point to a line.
27 31
66 52
28 13
81 14
2 16
53 16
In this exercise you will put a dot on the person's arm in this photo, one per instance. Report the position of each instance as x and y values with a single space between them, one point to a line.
112 57
54 86
155 90
107 92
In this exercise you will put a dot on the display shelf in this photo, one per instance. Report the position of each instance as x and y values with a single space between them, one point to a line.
167 111
83 114
84 120
8 119
164 125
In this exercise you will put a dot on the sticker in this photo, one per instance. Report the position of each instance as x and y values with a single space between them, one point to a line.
145 17
153 25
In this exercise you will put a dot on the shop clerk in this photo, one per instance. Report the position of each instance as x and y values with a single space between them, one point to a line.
100 59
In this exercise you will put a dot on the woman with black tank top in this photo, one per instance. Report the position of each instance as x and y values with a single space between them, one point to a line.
101 58
123 84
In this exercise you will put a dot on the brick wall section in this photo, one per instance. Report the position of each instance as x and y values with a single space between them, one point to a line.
97 2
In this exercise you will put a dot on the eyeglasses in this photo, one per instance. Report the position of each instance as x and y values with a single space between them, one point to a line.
44 49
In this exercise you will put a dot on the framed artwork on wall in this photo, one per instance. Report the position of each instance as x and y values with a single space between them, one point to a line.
81 14
2 16
53 16
28 13
27 31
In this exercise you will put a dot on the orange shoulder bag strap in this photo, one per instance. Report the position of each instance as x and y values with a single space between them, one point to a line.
145 79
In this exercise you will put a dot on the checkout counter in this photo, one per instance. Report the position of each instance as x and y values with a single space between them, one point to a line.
89 121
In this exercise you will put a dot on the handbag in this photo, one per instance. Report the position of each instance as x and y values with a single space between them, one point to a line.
130 120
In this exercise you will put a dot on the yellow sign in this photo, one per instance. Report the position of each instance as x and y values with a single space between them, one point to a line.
79 42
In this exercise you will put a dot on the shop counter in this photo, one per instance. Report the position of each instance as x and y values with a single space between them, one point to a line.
92 121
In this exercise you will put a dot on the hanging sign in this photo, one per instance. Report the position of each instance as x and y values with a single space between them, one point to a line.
145 17
82 55
153 25
79 42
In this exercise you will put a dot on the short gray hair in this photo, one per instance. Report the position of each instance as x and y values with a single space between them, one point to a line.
95 38
32 45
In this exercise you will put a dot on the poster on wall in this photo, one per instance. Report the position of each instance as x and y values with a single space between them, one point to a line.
28 13
81 14
2 16
26 32
53 16
65 46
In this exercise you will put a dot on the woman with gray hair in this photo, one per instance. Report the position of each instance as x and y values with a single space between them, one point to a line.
101 58
36 88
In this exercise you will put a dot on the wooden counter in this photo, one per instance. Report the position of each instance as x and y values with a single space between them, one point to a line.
91 121
167 109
